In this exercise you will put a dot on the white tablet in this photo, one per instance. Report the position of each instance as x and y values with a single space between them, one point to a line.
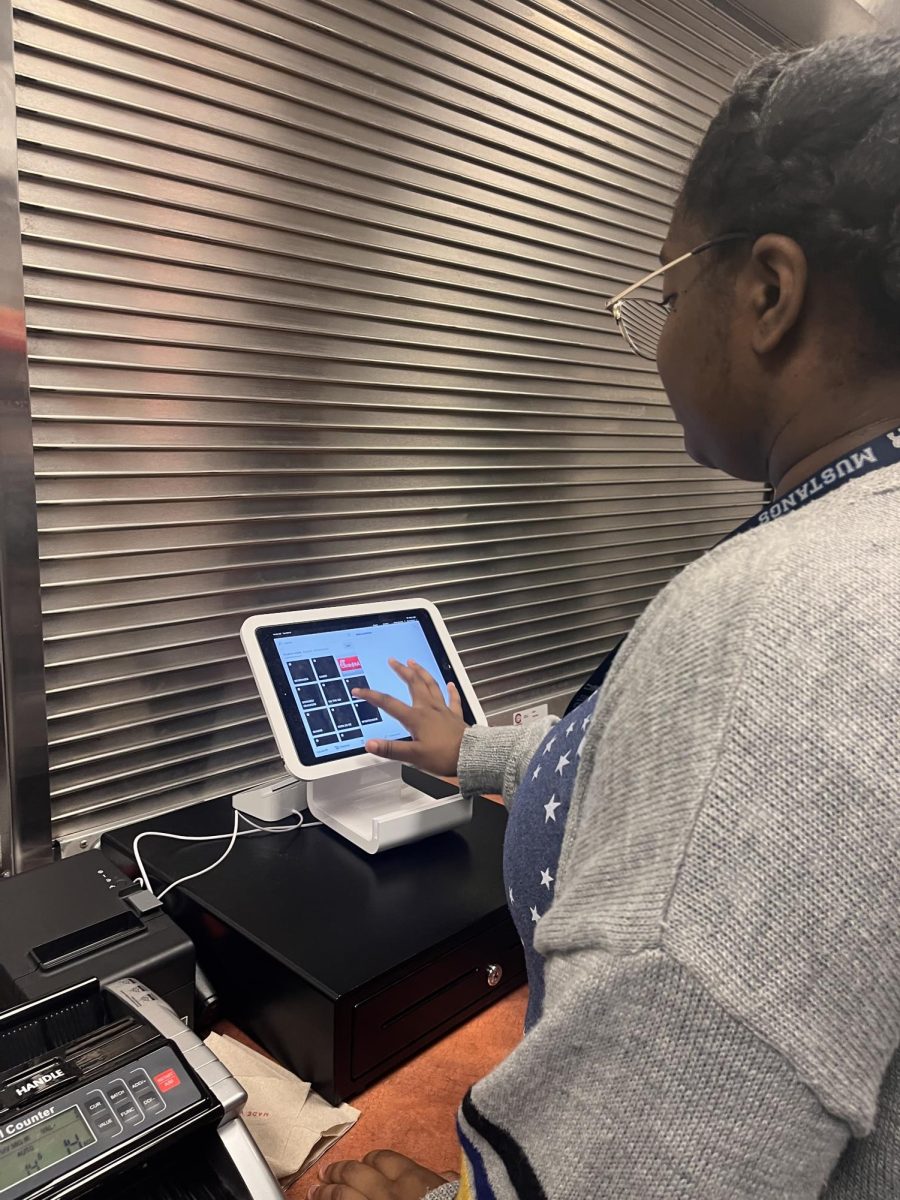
307 662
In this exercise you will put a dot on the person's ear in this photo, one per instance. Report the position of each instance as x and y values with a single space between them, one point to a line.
778 276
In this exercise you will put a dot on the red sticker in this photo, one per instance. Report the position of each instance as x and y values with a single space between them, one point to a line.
167 1080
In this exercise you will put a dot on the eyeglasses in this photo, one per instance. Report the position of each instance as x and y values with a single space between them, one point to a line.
642 321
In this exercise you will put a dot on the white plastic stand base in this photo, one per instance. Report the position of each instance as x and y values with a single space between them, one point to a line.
374 809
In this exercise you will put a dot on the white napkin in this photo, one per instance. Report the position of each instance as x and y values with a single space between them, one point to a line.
291 1124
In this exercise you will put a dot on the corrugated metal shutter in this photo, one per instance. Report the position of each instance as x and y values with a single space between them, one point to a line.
314 295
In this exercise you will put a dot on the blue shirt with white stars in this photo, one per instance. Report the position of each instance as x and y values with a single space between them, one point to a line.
534 835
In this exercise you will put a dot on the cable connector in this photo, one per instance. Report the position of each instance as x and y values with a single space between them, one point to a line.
143 902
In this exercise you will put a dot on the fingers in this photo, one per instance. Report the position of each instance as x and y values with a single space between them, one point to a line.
423 686
335 1191
426 684
455 700
390 704
415 678
435 724
404 752
432 689
350 1180
405 713
389 1163
382 1175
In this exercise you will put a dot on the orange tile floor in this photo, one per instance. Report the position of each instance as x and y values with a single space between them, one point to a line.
413 1110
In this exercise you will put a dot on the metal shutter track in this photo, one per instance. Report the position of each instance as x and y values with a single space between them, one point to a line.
314 295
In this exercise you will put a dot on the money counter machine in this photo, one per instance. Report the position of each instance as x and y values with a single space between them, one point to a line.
362 921
105 1091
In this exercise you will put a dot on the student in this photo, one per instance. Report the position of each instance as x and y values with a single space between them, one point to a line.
703 859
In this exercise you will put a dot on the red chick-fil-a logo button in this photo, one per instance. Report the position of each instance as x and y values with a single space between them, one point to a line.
166 1080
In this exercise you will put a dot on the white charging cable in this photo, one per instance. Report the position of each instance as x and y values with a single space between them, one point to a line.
232 837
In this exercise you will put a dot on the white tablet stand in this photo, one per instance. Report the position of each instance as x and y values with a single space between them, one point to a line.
374 808
363 798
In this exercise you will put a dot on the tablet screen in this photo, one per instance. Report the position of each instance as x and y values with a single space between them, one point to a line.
315 665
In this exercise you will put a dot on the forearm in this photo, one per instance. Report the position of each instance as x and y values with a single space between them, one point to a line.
494 760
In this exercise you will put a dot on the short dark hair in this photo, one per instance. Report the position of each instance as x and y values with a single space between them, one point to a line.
808 145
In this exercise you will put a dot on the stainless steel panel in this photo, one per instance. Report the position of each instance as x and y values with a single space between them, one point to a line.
572 47
325 284
314 294
242 596
806 21
400 248
383 43
722 42
402 96
462 168
85 547
885 12
24 795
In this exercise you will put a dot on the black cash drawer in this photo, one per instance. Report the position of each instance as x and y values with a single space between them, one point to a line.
342 964
439 995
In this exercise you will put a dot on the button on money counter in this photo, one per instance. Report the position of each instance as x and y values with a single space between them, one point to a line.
105 1092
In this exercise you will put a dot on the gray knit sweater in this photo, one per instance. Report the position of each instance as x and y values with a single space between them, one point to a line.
722 953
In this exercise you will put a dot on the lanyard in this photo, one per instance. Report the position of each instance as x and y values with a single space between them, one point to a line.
884 451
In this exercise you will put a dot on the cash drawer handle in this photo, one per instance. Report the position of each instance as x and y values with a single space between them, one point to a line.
494 974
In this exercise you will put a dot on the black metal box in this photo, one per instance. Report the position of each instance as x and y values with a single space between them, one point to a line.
72 920
339 963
